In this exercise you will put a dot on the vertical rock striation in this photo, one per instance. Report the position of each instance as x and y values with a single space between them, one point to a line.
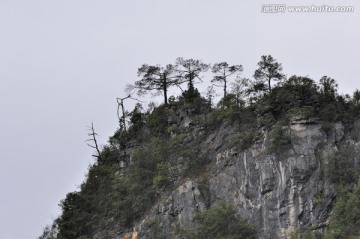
278 193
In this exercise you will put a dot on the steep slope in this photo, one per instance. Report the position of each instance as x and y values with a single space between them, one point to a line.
288 163
279 193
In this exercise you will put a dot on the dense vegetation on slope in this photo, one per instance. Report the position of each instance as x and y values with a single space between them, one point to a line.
119 189
221 221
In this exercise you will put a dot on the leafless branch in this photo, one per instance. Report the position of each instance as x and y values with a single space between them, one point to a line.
93 135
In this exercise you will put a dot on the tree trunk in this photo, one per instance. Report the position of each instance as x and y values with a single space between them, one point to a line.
165 91
191 84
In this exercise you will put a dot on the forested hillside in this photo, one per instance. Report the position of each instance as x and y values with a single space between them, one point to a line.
275 157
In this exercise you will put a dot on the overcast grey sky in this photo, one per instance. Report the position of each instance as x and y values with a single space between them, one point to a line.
64 62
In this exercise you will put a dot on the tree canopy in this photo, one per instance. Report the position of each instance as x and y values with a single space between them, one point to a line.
268 70
328 88
188 70
155 78
223 70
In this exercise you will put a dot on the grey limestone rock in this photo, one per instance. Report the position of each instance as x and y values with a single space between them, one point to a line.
276 192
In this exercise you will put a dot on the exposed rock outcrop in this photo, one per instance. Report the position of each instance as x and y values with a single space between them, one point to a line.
276 192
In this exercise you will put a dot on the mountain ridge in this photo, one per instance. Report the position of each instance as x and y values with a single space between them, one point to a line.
284 161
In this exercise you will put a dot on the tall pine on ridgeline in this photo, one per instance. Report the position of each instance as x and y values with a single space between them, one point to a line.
188 70
155 78
222 71
269 70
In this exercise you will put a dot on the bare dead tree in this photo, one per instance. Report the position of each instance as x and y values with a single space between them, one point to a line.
93 139
122 120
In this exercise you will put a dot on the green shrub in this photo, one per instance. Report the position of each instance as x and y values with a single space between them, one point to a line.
162 172
318 198
304 111
220 114
179 138
228 102
196 162
295 234
159 180
345 221
326 127
203 184
110 154
328 112
221 221
157 120
246 139
172 129
277 139
312 235
340 170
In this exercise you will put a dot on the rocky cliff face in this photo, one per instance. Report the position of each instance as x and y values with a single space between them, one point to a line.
278 191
